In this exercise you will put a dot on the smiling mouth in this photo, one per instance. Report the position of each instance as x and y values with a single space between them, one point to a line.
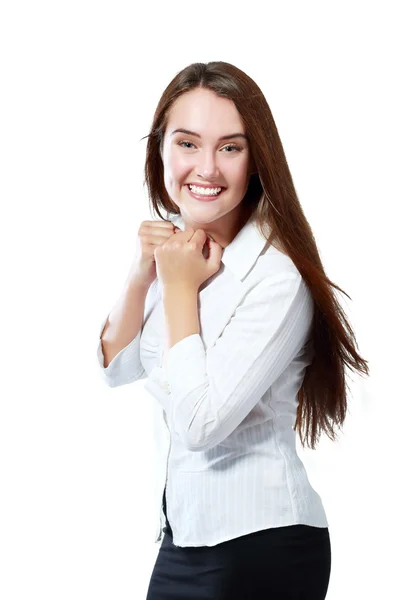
205 196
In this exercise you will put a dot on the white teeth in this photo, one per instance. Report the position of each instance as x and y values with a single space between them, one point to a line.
205 191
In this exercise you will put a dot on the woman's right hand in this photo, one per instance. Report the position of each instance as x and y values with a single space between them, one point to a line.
150 235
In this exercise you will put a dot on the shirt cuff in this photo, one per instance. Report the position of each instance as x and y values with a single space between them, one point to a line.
186 366
125 367
183 371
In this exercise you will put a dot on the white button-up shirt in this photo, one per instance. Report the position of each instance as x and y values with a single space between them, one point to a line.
226 398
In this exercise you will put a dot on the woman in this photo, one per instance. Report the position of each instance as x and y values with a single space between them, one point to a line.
255 347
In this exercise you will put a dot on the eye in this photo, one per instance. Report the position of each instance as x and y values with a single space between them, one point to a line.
183 142
234 146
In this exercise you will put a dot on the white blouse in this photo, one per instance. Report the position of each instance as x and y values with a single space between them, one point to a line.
226 398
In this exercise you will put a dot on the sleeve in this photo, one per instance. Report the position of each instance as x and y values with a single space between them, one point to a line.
212 391
126 366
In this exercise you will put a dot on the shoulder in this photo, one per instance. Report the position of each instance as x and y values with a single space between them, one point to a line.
273 260
276 275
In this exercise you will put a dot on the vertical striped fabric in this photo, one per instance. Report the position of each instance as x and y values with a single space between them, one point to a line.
225 400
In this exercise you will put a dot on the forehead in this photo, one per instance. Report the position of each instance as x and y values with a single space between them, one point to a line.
203 111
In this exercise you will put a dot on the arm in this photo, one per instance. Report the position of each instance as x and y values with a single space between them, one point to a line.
181 313
212 392
118 349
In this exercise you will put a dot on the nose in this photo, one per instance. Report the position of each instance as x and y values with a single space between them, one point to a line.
208 168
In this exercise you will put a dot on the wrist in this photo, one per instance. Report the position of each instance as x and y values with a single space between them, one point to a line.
179 288
137 284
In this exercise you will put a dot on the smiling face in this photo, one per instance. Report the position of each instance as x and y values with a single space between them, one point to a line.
207 160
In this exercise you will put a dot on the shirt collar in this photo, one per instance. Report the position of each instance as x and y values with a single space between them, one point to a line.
241 254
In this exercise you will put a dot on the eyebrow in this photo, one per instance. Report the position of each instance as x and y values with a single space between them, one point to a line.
224 137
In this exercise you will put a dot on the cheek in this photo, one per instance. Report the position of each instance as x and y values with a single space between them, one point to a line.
173 179
242 176
241 170
177 167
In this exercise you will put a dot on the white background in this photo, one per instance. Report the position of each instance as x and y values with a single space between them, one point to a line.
79 85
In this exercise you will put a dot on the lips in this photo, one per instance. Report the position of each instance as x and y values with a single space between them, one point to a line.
205 197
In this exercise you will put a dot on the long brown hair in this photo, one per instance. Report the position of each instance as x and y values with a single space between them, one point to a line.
273 203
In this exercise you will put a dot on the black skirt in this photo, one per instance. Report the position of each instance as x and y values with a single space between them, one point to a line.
285 563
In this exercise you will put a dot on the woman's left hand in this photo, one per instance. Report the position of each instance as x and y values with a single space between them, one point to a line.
180 260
